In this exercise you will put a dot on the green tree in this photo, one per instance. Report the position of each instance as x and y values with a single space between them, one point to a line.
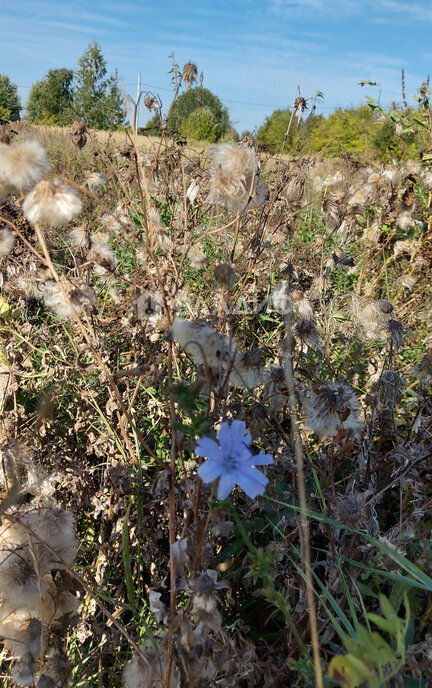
10 104
50 99
199 126
97 99
349 131
197 111
199 99
281 121
274 128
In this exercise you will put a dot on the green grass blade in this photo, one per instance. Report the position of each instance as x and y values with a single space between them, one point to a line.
336 606
130 590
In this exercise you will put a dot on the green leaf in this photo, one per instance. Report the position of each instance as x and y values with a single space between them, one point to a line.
383 624
130 589
388 610
6 311
348 671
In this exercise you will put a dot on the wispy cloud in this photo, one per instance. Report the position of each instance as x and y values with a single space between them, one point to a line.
249 52
383 10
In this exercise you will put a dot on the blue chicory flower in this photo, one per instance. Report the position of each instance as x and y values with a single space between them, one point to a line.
232 461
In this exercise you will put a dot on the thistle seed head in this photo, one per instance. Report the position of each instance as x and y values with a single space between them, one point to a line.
52 203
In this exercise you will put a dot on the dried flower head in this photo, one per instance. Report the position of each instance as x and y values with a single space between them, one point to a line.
249 370
350 510
332 409
334 210
151 103
102 255
140 673
96 181
225 276
7 133
78 133
405 220
424 90
189 74
149 306
293 190
234 177
7 240
110 222
305 330
397 332
79 237
22 165
372 317
126 150
299 107
204 600
424 368
204 345
197 257
80 295
52 203
390 389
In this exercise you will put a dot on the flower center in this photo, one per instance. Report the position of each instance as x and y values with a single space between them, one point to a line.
230 462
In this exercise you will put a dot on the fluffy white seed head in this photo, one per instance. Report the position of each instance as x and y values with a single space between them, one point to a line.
371 317
331 409
110 222
23 164
405 220
79 237
141 674
96 181
7 240
234 176
204 345
52 203
5 190
102 255
80 294
281 298
197 257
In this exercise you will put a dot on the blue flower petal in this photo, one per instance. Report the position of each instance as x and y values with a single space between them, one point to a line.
208 449
252 481
226 484
210 470
262 459
233 437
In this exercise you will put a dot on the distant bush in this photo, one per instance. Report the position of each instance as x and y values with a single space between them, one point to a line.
197 114
10 104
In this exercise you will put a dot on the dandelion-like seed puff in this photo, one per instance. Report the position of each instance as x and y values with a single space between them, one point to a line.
51 203
231 460
332 410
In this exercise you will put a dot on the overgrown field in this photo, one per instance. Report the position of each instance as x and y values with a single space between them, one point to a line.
170 318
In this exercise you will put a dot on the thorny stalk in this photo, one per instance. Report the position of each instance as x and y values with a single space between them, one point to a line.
298 449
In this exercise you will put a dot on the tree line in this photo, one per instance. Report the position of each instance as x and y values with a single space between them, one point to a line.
88 93
65 95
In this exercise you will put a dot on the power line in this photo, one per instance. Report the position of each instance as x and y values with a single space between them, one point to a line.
229 101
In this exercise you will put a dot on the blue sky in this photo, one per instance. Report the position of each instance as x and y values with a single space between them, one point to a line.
253 53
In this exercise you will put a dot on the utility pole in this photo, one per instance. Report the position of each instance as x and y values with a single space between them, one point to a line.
135 127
